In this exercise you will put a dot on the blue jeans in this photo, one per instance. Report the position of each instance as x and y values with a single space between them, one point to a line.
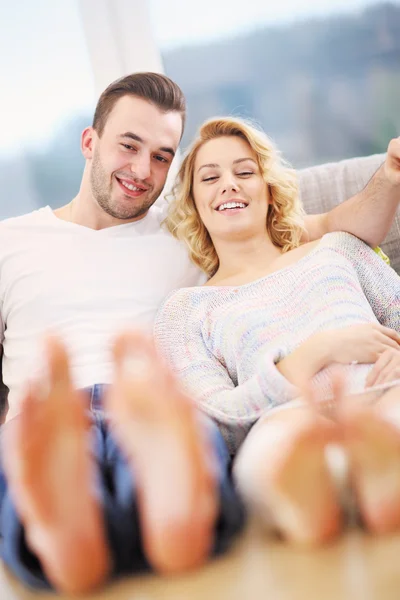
117 494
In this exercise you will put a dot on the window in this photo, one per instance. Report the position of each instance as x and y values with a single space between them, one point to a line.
321 77
47 99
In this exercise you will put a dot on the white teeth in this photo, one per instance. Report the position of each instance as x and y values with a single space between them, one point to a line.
131 187
232 205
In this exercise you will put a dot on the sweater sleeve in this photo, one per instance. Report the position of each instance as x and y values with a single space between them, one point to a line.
180 337
379 282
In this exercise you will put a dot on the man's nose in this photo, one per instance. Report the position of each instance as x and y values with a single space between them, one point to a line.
141 166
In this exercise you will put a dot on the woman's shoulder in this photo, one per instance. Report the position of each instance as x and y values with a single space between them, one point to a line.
183 305
342 238
187 295
345 243
179 322
353 249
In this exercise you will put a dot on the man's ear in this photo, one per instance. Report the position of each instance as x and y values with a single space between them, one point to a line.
87 142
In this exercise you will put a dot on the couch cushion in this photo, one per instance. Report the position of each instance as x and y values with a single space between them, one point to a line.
324 186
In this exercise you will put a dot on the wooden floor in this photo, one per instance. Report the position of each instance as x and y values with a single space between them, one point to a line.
357 567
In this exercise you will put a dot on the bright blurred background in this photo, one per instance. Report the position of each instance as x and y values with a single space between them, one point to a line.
322 77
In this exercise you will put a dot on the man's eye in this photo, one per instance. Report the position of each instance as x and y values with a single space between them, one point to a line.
161 159
128 147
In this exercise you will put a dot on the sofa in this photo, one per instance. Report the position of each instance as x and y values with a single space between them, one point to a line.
321 188
324 186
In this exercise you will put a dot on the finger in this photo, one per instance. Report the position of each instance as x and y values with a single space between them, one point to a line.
390 373
338 393
387 342
373 376
394 148
309 393
380 364
386 369
393 154
387 331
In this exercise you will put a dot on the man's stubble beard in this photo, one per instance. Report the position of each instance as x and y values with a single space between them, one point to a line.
101 191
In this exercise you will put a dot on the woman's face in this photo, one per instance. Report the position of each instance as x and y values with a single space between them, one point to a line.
229 191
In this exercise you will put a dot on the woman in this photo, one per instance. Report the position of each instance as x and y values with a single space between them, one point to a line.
273 315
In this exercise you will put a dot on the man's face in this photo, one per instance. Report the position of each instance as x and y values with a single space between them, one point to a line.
131 159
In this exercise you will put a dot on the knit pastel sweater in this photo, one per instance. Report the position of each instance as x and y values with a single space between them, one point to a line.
224 341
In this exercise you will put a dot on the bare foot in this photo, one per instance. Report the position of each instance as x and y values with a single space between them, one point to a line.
373 445
50 475
158 428
301 490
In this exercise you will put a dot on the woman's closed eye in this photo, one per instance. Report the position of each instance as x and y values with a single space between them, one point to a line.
241 174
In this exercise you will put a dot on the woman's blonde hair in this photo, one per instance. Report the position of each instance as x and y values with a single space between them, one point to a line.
285 214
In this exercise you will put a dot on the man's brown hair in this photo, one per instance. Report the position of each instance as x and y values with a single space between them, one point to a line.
153 87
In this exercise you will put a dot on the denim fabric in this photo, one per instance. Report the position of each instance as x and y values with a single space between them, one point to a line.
116 488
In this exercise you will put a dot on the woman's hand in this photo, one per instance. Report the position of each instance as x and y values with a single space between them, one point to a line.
363 343
386 368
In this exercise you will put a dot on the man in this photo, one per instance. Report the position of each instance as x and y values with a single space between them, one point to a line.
162 496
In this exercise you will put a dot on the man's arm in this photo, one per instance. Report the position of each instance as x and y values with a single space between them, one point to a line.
370 213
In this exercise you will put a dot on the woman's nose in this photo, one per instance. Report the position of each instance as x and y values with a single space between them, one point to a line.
229 185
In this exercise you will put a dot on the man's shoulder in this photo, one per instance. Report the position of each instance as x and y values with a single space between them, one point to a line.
154 218
26 220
